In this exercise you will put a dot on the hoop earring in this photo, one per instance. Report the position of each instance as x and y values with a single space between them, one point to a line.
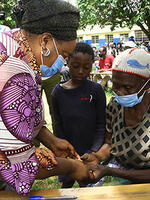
47 53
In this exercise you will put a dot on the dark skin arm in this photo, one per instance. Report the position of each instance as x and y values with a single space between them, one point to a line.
103 154
73 168
99 171
61 148
136 176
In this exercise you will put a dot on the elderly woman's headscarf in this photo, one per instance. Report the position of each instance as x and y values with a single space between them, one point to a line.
57 17
133 61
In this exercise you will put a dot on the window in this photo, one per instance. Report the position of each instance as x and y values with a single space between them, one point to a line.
95 39
109 38
79 39
124 37
140 36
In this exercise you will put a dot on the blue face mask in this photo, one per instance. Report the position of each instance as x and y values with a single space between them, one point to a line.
57 65
130 100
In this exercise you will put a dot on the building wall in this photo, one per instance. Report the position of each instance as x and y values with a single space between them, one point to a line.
86 35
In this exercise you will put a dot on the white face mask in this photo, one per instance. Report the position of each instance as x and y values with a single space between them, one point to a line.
57 65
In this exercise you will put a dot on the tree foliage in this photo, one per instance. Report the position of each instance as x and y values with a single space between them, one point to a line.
117 13
7 6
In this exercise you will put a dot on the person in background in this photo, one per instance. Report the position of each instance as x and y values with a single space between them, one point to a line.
95 53
24 56
111 49
79 107
105 64
18 12
131 38
105 60
119 48
127 142
144 46
129 45
3 28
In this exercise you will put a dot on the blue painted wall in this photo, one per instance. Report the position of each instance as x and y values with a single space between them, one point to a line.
101 42
116 40
88 41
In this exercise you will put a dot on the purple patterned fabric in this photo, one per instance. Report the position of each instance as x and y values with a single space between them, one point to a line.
20 106
21 175
21 113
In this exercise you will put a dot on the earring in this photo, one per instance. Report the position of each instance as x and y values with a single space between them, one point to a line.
47 53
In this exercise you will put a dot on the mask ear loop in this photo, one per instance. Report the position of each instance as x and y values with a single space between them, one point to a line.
47 53
55 46
41 56
144 85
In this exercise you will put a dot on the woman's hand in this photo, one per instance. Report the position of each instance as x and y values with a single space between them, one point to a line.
90 159
62 148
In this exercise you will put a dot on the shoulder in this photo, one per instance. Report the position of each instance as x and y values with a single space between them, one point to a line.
4 28
110 57
56 89
96 88
113 106
94 85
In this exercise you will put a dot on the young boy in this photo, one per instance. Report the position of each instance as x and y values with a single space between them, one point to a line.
79 106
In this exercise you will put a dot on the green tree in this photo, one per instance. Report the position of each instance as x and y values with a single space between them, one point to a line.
7 7
117 13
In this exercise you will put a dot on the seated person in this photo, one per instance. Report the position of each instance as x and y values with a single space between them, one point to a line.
128 121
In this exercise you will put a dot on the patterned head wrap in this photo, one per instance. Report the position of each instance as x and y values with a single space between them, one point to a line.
133 61
57 17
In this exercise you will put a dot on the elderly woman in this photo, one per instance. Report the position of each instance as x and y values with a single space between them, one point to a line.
128 121
47 36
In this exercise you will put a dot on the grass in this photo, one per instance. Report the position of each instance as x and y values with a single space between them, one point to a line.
52 182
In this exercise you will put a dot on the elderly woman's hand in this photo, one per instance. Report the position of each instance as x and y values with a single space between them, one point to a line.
90 159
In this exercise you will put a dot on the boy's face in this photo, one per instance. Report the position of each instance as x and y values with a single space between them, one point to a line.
80 66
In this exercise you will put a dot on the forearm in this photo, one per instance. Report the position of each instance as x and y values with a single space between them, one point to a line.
64 167
104 152
136 176
46 137
72 168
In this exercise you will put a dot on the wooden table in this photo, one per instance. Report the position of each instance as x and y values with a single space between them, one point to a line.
123 192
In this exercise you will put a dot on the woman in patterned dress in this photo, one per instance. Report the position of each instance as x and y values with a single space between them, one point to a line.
127 140
48 31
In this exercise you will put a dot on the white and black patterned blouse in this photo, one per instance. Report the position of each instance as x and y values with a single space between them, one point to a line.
130 145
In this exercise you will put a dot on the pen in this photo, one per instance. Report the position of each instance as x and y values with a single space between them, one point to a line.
51 198
55 198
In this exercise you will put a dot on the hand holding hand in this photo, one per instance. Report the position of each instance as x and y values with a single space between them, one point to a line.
62 148
90 159
80 172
